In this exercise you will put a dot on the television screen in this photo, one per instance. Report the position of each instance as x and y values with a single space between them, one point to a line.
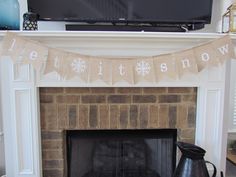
126 11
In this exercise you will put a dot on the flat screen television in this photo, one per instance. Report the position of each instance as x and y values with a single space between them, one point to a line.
189 14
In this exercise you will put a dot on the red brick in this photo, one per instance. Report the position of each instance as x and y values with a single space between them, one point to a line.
104 116
76 90
124 113
144 99
188 133
189 98
91 99
83 117
71 99
72 111
153 121
104 90
175 109
93 116
163 115
46 98
52 154
169 98
134 116
191 116
52 144
51 117
43 119
52 164
119 99
172 116
53 173
180 89
51 135
154 90
188 140
53 90
62 117
129 90
114 116
143 116
182 113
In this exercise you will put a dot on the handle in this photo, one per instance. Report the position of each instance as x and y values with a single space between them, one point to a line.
1 136
215 171
221 174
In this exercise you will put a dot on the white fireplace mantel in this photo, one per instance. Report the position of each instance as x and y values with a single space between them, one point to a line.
20 103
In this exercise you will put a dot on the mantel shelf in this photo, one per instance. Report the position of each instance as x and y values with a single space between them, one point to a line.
120 34
105 43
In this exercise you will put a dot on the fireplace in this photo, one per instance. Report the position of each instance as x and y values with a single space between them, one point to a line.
20 101
121 153
124 111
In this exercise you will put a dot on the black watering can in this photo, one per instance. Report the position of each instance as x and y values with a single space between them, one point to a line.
192 163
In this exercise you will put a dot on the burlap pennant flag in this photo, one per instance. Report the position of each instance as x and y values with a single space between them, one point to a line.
165 67
205 56
122 70
13 46
144 70
78 66
55 61
64 67
35 54
131 70
100 70
186 62
224 48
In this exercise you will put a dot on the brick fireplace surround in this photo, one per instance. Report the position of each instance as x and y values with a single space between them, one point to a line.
22 88
110 108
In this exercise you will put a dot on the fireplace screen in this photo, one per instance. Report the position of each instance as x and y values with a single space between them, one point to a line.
121 153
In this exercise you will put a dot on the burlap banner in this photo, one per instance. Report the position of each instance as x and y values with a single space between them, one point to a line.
165 67
112 70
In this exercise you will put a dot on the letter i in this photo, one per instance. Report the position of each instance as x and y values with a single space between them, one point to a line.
100 69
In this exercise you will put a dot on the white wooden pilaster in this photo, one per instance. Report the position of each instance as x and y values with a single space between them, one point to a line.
21 123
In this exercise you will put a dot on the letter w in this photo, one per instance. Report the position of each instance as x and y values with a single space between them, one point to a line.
224 49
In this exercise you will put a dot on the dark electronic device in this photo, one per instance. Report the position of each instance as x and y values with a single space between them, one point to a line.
126 15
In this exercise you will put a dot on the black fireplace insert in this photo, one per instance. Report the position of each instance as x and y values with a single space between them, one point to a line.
121 153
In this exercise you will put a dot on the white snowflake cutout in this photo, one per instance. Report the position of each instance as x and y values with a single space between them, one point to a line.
143 68
78 65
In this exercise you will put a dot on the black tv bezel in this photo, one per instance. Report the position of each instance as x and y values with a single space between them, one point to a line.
207 20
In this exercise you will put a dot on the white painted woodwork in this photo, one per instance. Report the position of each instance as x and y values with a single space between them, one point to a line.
23 130
19 90
21 121
232 106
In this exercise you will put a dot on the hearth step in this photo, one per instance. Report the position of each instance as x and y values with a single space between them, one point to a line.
122 173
